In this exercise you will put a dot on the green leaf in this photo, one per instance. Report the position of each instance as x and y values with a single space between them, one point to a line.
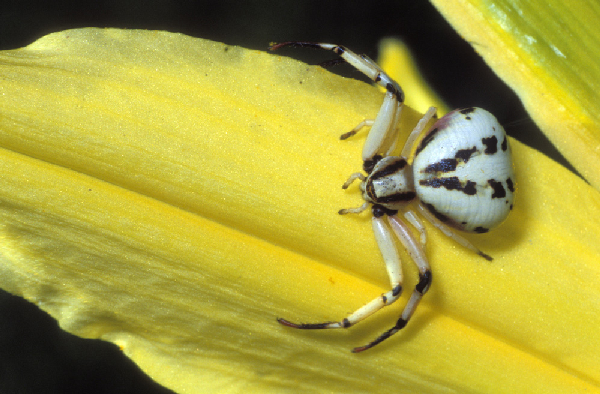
547 51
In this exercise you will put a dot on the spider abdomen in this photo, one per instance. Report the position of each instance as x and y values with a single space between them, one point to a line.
463 171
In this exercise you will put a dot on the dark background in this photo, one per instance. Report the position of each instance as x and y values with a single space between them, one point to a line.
35 355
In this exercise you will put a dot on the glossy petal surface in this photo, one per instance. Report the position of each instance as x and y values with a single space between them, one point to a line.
175 195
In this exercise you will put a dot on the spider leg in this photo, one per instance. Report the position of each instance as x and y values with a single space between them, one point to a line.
416 252
417 223
362 63
352 178
360 209
452 234
383 128
417 131
385 241
364 123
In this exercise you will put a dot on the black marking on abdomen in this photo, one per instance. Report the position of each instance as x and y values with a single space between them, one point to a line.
428 138
481 230
504 145
491 145
450 183
444 165
466 111
450 165
499 191
470 189
510 185
438 215
465 154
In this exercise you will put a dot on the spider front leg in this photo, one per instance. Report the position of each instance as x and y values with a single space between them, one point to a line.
416 252
385 241
381 136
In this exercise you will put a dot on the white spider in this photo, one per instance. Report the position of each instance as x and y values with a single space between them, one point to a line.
461 176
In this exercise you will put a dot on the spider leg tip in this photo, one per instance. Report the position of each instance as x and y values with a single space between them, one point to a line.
286 322
359 349
485 256
273 46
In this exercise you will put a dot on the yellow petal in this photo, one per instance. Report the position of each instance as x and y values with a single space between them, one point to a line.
395 58
174 195
547 51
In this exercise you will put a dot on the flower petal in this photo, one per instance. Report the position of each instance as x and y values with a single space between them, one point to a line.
547 51
395 58
174 195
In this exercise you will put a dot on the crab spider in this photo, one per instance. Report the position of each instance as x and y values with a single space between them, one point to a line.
461 178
